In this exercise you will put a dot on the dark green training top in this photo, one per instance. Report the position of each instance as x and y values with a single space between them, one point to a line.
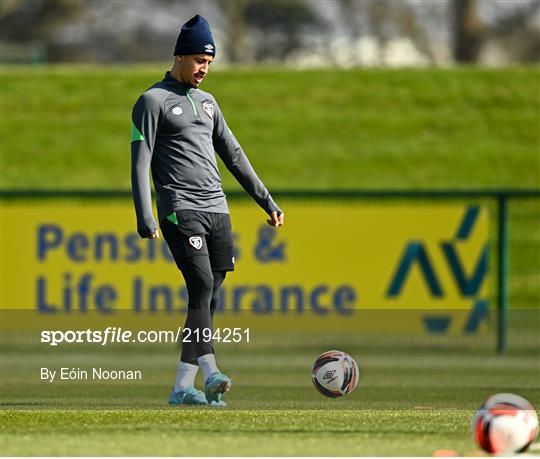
176 130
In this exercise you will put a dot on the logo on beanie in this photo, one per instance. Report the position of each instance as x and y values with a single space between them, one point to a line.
209 48
208 107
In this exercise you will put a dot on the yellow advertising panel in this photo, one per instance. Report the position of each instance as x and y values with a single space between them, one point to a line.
330 261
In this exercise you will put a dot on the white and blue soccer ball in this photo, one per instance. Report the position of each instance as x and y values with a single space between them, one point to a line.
505 424
334 374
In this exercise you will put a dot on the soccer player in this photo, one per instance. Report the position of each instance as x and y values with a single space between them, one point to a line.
176 130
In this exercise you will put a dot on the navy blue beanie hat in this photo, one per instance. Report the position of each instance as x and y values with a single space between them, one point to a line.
195 38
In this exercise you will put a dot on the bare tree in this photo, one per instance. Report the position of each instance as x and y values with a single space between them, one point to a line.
517 32
512 25
36 22
468 31
385 20
280 27
27 20
234 12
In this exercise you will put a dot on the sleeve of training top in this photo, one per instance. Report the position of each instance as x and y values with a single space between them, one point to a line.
230 151
145 118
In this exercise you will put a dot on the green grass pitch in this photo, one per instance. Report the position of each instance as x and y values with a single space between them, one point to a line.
414 397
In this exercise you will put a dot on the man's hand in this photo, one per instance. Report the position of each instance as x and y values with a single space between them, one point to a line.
150 235
148 229
276 220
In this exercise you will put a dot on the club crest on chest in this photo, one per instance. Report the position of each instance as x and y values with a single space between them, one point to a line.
208 107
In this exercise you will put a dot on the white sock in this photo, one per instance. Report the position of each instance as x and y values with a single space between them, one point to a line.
208 365
185 376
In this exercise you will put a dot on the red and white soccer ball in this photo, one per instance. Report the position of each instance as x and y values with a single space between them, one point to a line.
505 423
334 374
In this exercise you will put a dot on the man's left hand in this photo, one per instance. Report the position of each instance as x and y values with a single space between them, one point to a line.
276 220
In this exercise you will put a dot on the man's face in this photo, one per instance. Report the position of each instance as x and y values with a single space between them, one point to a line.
194 67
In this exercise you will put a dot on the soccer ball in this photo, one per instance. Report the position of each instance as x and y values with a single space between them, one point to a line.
334 374
505 423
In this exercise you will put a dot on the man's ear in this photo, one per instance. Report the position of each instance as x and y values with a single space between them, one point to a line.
179 58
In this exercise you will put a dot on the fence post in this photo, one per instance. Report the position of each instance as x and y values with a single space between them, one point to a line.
502 271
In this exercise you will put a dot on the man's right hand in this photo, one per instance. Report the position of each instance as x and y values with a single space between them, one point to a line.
276 219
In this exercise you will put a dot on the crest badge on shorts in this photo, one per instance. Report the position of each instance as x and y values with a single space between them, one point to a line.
196 242
208 107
